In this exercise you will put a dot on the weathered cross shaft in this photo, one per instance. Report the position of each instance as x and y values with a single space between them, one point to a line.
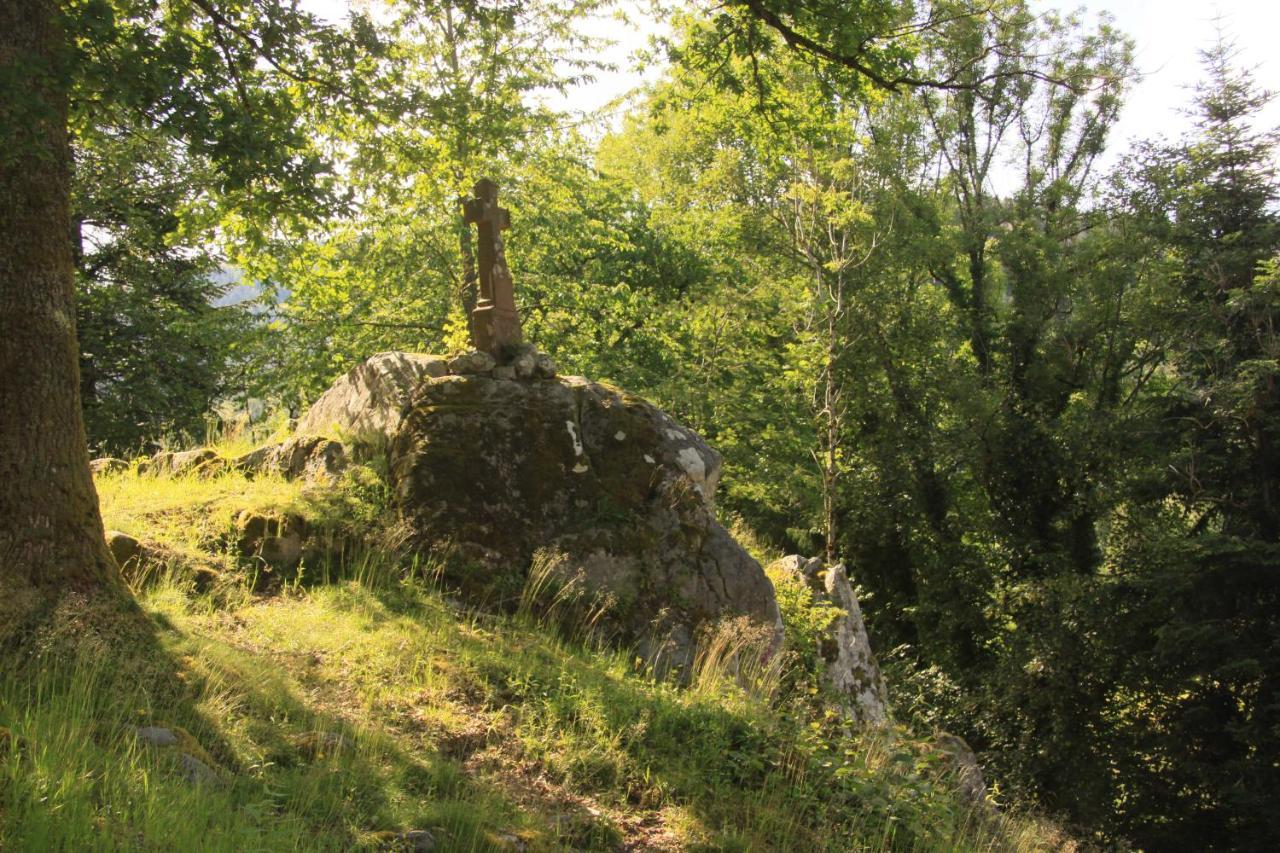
495 325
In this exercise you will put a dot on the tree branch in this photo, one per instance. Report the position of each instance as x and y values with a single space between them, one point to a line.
798 41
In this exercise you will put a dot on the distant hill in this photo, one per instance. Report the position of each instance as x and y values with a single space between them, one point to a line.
238 291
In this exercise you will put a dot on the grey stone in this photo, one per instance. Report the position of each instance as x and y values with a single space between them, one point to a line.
525 362
850 669
275 539
124 548
505 372
311 457
544 367
256 461
854 672
107 465
793 563
201 461
156 736
969 780
193 769
511 841
418 840
196 771
366 403
502 470
471 363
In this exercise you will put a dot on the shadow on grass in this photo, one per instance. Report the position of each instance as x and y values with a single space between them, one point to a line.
298 769
736 772
598 727
75 776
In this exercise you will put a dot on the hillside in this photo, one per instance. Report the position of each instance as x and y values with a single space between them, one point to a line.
354 703
850 437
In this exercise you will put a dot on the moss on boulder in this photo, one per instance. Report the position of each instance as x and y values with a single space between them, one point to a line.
503 468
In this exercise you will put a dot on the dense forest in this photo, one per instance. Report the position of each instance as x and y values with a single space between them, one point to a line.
868 249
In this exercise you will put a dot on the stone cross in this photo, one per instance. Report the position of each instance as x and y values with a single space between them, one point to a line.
495 325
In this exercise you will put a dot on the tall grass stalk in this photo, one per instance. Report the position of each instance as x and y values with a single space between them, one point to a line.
555 597
737 651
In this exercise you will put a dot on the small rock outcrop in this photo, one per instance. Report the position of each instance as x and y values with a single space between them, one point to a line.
136 558
850 670
196 771
193 762
418 840
107 465
502 468
367 403
156 736
201 461
275 539
412 841
310 457
525 363
471 363
970 783
126 549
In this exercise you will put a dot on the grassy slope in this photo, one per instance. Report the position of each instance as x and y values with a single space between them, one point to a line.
492 732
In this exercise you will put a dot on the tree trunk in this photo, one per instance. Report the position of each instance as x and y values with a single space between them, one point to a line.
51 537
831 449
833 418
979 340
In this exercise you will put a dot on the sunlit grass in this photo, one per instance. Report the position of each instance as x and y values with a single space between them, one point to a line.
188 512
361 700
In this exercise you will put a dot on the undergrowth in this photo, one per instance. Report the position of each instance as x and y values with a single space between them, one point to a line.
362 701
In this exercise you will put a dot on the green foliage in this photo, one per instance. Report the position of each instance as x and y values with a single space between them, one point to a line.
190 125
1121 416
805 619
1041 420
155 354
1197 550
454 97
224 82
984 386
74 775
852 45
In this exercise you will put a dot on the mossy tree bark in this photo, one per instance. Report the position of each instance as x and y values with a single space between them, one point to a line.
51 536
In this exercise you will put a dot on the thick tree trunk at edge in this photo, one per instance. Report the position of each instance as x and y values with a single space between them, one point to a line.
51 536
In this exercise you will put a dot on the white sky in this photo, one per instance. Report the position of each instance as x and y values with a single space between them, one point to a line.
1168 35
